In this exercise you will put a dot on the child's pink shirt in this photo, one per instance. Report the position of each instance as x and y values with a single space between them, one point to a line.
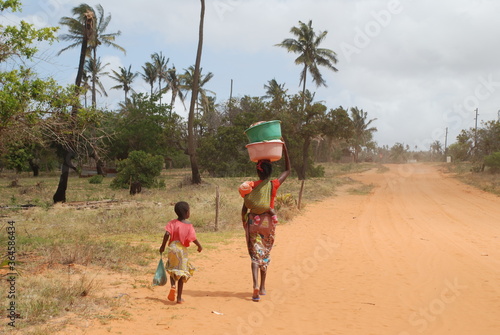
180 231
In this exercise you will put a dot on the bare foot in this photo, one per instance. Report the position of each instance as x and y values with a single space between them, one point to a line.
180 301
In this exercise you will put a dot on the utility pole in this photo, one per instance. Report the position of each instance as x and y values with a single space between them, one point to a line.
475 131
231 91
445 142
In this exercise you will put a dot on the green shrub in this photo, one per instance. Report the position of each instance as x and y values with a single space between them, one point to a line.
315 171
493 162
160 184
138 167
97 179
476 168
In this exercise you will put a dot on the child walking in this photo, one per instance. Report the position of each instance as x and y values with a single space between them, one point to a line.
181 233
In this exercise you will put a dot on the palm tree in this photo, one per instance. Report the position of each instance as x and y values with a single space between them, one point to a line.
175 85
311 56
211 119
195 172
274 91
124 79
161 69
398 153
81 31
95 70
362 132
100 36
188 83
149 75
436 150
436 147
87 29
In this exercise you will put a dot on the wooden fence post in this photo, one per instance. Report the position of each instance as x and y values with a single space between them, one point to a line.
217 201
300 194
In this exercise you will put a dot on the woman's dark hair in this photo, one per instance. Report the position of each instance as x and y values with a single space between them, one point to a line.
181 208
264 169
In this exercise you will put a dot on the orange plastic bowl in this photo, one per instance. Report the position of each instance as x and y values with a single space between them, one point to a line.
272 150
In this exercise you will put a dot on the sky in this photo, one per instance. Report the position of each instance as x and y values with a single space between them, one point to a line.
421 69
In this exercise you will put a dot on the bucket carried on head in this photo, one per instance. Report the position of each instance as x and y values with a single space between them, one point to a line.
265 141
264 131
272 150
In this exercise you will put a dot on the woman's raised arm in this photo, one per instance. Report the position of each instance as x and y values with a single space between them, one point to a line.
288 170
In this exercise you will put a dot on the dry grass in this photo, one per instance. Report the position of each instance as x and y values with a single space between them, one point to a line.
42 298
102 228
486 181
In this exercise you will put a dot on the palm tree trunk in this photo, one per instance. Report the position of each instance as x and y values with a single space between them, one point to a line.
83 52
174 96
172 102
60 195
159 84
89 19
307 140
196 178
304 83
94 101
304 89
305 156
94 79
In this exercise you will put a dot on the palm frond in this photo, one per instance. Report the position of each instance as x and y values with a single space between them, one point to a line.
306 45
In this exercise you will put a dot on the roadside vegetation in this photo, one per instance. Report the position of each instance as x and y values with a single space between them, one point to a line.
467 172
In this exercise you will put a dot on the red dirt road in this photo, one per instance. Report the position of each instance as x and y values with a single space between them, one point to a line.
420 254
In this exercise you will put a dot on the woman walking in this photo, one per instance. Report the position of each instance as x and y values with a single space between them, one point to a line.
259 220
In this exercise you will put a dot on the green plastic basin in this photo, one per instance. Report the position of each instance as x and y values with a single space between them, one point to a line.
264 131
